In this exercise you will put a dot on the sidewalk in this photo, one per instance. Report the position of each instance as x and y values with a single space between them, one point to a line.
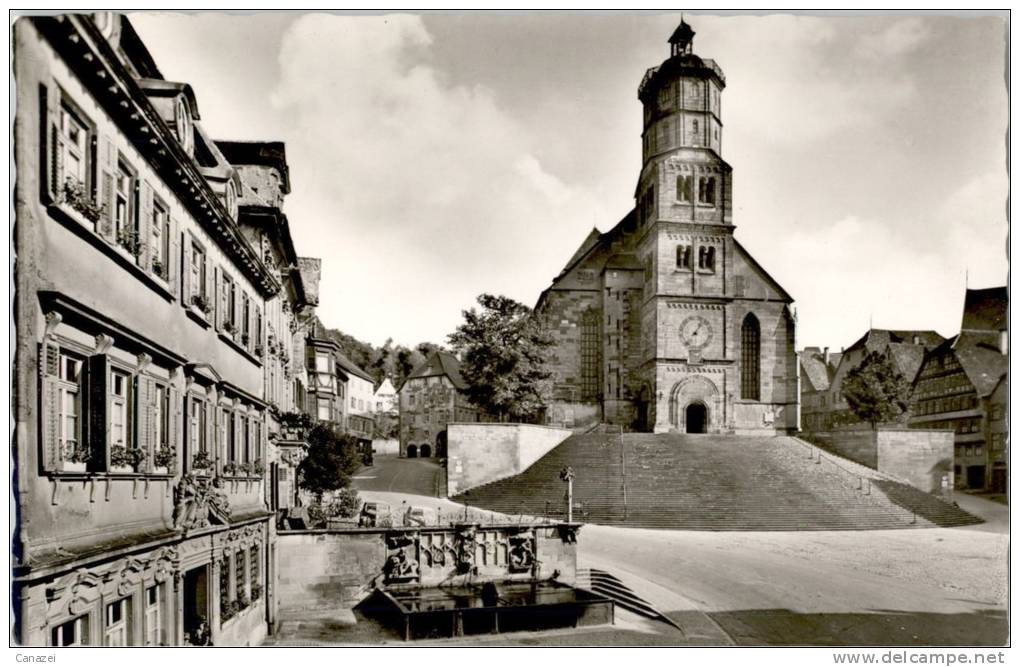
996 515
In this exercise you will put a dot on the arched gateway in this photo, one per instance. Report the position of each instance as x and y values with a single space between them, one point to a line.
695 405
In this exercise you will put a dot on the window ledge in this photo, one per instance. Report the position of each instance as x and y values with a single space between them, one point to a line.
108 474
229 340
198 316
706 272
80 225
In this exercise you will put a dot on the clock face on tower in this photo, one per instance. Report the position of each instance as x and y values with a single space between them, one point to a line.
696 332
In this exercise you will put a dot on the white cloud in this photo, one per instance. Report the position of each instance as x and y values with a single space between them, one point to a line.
898 39
430 188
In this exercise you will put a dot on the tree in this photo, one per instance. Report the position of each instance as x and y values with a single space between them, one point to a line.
875 391
503 358
332 459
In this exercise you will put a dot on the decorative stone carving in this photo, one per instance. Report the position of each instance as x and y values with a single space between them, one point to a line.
522 552
197 500
466 544
103 343
143 362
401 567
52 320
568 532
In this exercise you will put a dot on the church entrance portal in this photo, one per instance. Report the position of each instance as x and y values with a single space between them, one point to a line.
696 418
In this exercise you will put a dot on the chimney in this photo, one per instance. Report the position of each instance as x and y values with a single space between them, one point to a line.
1004 341
825 355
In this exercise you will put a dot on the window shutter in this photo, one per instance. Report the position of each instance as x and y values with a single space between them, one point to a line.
49 371
54 156
175 422
206 274
109 170
174 259
141 423
237 311
47 122
98 406
216 294
209 420
145 227
186 258
151 424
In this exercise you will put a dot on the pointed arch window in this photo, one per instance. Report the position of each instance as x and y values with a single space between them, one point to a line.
750 359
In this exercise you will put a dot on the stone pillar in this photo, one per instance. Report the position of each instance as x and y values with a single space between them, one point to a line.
177 638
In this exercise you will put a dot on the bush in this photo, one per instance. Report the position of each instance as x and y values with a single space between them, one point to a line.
332 459
345 505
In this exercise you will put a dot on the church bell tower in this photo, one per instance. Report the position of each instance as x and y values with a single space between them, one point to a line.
683 204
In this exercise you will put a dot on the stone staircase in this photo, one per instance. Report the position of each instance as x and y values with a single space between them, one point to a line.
713 482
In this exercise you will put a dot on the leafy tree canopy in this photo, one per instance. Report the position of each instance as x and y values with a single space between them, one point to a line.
875 391
332 459
503 352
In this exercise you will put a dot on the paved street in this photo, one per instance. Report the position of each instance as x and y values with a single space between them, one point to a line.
391 473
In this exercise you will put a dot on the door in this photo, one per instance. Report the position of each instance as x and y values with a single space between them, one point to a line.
196 606
975 477
696 418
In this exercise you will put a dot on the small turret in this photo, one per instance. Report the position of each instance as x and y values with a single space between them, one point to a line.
682 40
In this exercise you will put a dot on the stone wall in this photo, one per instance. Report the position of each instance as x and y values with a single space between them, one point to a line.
920 457
481 453
856 444
338 568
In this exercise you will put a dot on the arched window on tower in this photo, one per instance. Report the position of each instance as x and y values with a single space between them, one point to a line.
590 355
683 257
750 359
684 187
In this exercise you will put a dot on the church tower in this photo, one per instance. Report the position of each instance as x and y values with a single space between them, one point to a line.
665 322
711 359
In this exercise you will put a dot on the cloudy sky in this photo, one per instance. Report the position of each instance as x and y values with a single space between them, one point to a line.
437 156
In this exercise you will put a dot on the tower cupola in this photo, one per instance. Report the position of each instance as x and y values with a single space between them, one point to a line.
682 40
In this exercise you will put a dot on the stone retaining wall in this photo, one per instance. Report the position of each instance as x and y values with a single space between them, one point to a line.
481 453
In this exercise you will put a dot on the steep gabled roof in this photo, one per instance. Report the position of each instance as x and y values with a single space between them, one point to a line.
753 263
815 372
876 340
985 309
440 363
908 358
981 359
589 242
352 367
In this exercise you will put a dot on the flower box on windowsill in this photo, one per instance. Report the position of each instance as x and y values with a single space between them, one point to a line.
122 470
73 466
160 470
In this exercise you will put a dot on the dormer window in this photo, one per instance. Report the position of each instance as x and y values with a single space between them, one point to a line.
182 118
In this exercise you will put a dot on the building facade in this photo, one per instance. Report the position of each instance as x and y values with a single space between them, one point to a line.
339 391
431 397
906 350
666 322
264 183
144 397
385 398
817 369
963 386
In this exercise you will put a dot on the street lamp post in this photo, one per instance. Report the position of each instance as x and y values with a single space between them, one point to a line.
567 475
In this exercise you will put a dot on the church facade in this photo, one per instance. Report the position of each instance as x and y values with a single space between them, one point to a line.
665 322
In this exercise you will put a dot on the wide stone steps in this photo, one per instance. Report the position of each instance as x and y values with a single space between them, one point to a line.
710 482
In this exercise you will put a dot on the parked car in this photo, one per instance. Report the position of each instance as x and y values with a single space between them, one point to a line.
414 516
374 515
